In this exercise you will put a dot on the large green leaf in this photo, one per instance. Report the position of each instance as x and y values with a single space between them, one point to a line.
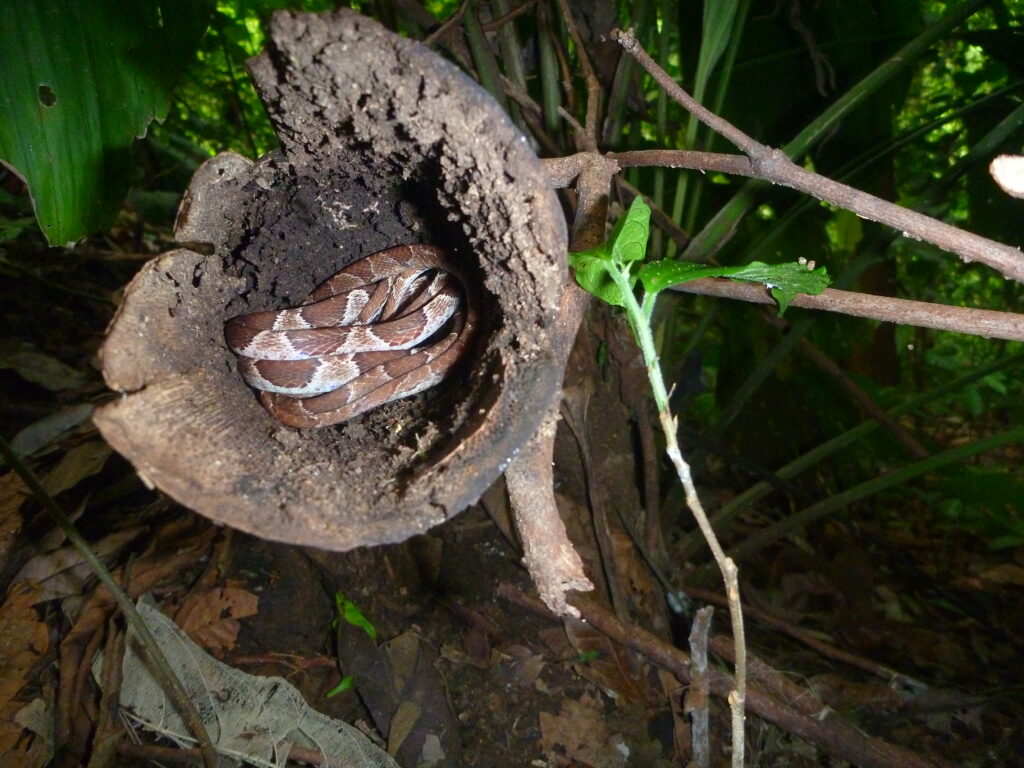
81 80
627 244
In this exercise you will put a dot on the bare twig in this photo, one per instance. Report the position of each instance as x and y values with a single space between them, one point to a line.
737 697
978 322
718 124
532 113
563 171
588 140
448 25
761 616
773 165
501 21
639 320
696 704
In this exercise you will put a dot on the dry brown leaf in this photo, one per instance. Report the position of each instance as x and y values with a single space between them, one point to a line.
1004 574
605 664
10 733
528 666
211 618
23 641
80 462
579 734
631 568
12 495
63 572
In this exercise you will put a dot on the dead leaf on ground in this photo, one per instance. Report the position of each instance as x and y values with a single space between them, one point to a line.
24 639
37 750
50 428
527 666
250 718
23 642
80 462
63 572
211 618
604 663
38 367
579 734
12 495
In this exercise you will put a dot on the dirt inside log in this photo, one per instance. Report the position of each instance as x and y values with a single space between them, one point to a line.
382 143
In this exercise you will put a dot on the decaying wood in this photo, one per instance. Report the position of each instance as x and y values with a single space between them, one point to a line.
382 143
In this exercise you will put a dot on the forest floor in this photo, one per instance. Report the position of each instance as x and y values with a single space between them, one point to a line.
940 612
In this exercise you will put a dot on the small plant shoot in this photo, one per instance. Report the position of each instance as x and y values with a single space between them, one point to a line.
596 269
349 612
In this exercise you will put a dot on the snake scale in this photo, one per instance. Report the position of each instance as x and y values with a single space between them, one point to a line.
385 327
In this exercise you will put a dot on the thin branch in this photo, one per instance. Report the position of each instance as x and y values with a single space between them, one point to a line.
696 705
772 165
578 129
718 124
532 113
448 24
869 407
589 138
563 171
977 322
639 320
759 615
501 21
800 713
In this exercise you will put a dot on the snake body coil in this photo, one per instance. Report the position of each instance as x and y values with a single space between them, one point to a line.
365 336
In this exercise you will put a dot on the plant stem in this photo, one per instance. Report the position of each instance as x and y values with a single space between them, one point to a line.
639 320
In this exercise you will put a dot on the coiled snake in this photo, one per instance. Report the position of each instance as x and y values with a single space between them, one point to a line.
364 337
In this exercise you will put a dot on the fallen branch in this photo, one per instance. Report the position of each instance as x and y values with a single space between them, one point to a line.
822 727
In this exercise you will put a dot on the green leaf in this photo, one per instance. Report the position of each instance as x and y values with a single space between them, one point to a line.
592 274
346 683
629 243
718 27
594 268
349 613
81 80
784 280
11 228
659 275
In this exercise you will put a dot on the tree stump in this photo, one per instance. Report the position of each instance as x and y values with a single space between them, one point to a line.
383 143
